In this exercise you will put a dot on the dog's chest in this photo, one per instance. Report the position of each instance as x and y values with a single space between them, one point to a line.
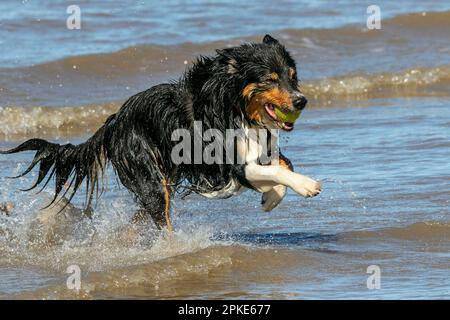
257 145
252 147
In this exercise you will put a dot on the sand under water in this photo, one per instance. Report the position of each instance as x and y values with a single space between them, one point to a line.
377 133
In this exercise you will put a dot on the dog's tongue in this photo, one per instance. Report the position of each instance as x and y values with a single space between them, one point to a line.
272 113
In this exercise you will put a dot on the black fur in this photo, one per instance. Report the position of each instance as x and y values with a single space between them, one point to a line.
137 139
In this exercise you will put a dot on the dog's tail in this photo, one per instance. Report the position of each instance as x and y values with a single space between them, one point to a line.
69 164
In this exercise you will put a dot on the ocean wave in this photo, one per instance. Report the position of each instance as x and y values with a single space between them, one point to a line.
73 96
407 83
52 122
61 122
149 57
417 43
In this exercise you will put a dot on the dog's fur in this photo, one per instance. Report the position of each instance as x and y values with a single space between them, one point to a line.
231 90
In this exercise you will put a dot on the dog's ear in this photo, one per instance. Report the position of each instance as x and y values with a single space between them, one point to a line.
268 39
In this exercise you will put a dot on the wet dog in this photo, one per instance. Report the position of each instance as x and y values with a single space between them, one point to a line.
252 86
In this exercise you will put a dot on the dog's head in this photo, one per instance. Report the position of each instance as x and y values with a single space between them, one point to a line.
270 89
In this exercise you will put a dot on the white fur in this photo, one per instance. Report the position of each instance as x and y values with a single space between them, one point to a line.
271 180
232 188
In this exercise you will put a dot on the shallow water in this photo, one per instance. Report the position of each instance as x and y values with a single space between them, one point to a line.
376 132
410 53
35 31
385 202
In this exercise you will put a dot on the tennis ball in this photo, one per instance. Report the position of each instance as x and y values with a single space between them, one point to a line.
287 116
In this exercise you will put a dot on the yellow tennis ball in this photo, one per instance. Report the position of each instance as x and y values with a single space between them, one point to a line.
288 116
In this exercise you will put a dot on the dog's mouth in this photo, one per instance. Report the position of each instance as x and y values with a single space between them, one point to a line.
284 119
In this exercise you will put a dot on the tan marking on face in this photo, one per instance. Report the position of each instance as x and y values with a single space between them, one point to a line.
248 90
277 96
291 73
274 76
255 109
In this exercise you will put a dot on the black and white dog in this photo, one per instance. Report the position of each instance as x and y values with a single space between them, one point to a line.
250 86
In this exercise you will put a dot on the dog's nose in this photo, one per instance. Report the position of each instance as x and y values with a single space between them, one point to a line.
299 101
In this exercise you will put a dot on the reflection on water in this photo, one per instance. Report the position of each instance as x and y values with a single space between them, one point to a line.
277 239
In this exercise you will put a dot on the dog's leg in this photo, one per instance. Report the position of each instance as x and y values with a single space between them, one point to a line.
167 204
273 197
154 199
301 184
142 174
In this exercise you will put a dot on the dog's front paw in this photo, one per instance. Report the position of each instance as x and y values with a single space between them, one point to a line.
273 197
308 187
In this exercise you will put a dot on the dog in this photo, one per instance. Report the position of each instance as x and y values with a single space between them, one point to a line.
242 87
